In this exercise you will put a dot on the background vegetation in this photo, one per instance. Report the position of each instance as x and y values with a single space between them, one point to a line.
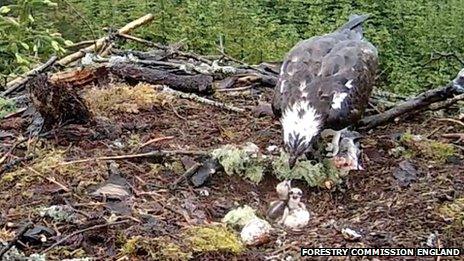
406 32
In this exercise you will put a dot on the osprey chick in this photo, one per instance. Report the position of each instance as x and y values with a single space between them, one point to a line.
324 84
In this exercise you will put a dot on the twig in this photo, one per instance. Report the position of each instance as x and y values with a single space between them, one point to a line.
200 99
13 114
244 88
188 173
51 179
17 83
452 120
82 17
16 144
459 136
81 44
156 140
156 153
82 231
21 232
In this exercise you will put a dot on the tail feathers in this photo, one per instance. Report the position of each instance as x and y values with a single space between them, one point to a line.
354 23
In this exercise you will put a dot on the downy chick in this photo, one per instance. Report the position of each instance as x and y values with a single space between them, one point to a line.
295 214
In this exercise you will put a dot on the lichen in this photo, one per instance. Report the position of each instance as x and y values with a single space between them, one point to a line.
239 216
316 174
213 239
238 161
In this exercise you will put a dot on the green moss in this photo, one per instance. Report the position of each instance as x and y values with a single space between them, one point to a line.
238 161
417 146
160 248
6 107
315 174
213 239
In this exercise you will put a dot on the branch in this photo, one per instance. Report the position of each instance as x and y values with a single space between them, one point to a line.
99 43
451 90
19 82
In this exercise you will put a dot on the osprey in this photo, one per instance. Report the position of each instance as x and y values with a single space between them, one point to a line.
324 84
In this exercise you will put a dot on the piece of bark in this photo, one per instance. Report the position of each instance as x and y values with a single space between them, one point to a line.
201 84
418 103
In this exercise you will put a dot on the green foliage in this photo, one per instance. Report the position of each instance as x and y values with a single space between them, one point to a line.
406 33
23 40
6 107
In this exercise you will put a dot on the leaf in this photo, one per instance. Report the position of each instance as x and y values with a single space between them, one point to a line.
68 42
55 45
31 18
50 3
20 59
5 9
25 45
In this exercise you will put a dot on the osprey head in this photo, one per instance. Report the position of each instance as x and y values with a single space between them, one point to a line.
300 124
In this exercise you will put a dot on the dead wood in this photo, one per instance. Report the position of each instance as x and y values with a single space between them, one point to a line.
18 83
194 97
57 103
201 84
100 42
422 101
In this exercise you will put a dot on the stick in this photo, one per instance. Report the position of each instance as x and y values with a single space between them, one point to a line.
21 232
446 103
15 84
188 173
82 231
200 99
417 103
156 140
155 153
124 30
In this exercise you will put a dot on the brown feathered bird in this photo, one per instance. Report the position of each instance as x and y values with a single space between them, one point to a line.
58 104
324 84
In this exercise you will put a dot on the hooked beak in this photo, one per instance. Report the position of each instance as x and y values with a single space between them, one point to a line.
292 161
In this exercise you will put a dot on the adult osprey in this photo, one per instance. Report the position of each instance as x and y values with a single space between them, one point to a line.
324 84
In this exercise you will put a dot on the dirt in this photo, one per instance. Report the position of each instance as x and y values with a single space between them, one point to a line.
371 202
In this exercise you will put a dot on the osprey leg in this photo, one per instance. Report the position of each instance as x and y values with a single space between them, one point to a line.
333 147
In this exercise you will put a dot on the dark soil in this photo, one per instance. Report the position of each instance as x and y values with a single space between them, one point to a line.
371 202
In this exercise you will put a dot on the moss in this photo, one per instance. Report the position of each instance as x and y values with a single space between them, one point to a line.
124 99
315 174
417 146
46 161
6 107
213 239
454 210
238 161
160 248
